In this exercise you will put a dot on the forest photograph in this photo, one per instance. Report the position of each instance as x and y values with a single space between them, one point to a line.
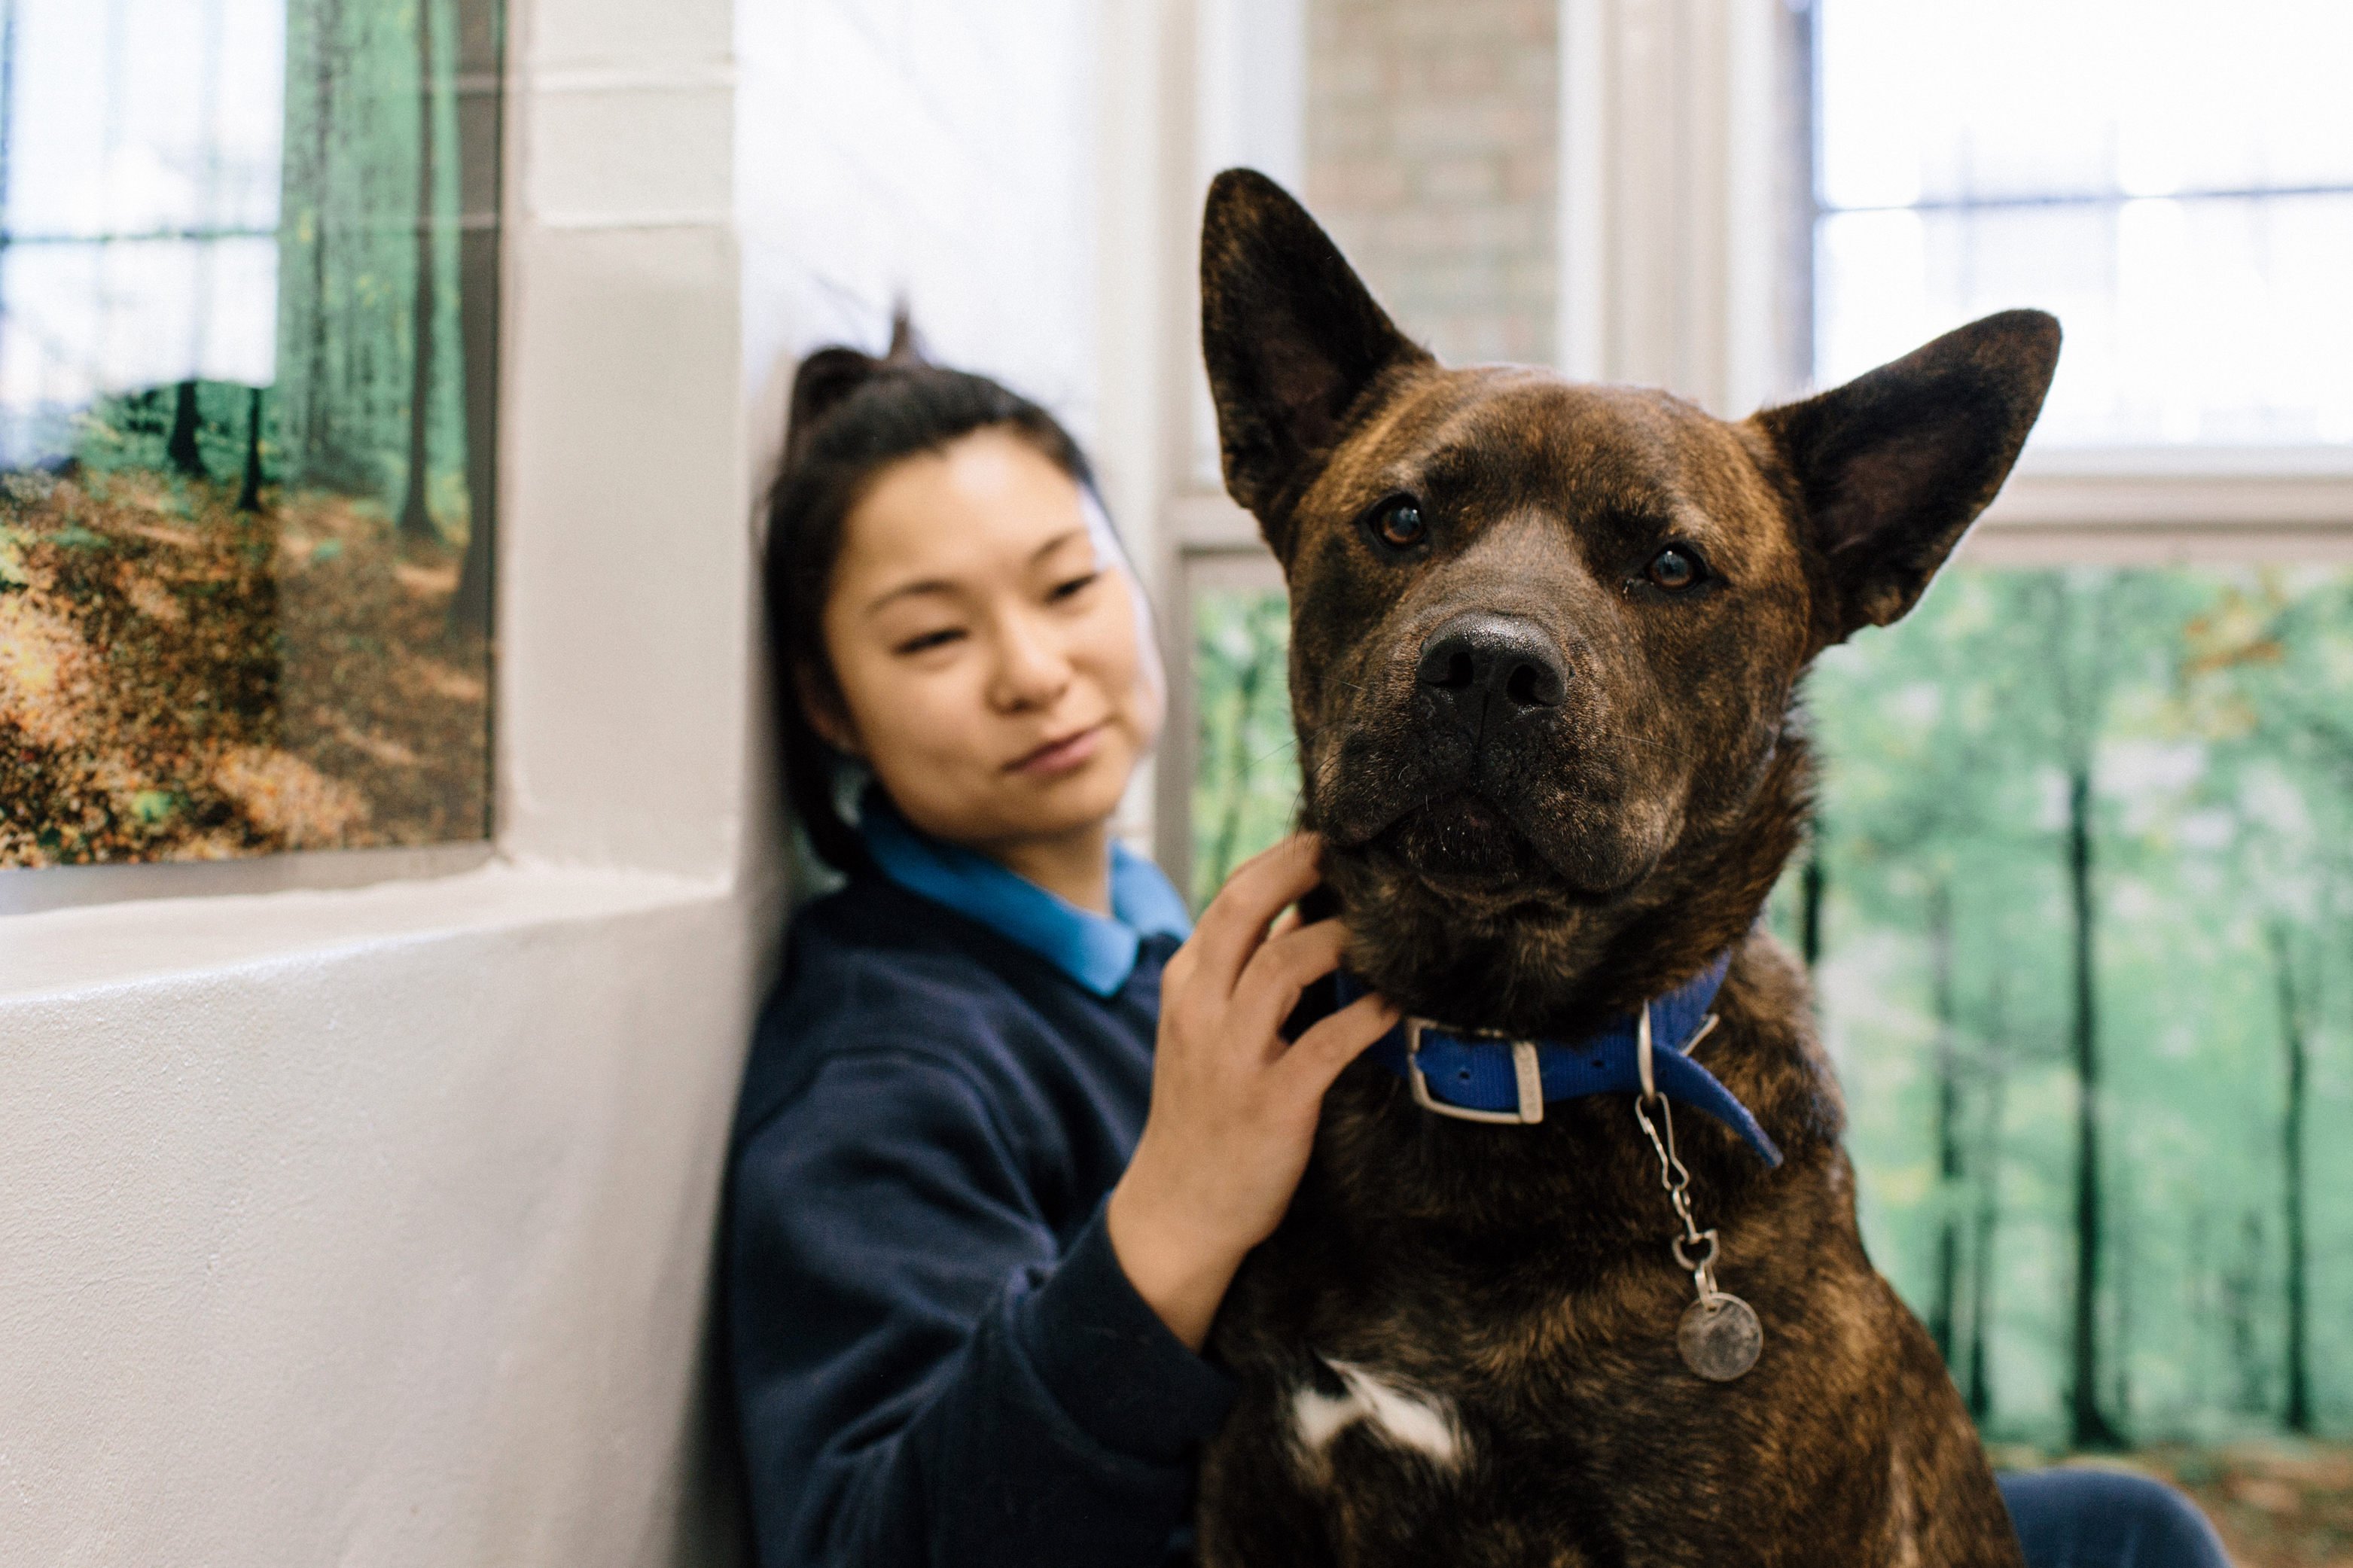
247 391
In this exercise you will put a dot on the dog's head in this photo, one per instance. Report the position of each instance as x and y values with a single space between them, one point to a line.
1546 635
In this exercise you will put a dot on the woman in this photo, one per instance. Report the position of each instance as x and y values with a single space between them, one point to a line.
949 1344
1003 1143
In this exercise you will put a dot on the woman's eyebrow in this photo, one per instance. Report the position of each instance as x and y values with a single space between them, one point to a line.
925 586
1056 543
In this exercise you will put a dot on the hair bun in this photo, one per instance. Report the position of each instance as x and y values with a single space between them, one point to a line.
830 375
824 379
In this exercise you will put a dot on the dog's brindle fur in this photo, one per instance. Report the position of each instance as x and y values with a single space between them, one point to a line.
1511 863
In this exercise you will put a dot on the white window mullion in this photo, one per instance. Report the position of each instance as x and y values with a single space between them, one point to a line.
1670 235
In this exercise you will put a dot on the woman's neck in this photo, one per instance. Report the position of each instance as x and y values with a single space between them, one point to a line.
1075 866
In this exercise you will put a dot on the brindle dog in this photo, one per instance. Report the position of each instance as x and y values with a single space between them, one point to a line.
1545 649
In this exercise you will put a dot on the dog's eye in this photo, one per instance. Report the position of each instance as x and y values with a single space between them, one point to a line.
1401 526
1673 569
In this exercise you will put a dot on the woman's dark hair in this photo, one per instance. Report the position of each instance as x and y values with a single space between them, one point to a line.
852 417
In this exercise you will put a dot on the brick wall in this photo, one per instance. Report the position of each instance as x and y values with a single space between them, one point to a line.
1431 127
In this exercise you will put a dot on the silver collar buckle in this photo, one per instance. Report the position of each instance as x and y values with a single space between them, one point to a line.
1524 1066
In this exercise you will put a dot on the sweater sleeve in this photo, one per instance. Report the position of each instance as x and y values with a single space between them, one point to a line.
924 1376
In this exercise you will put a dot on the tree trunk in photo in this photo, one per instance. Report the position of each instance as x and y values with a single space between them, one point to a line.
416 515
303 317
2298 1416
1811 884
2239 1290
1988 1215
478 105
2087 1427
249 495
181 449
1948 1141
2120 1346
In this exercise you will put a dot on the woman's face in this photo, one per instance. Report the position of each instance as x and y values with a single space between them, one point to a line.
986 649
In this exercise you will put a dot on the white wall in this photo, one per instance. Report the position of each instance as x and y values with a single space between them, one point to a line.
382 1240
930 150
374 1224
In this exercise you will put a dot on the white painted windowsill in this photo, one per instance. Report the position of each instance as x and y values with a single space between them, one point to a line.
66 953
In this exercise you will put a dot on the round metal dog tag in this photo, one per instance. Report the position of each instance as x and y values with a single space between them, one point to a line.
1719 1337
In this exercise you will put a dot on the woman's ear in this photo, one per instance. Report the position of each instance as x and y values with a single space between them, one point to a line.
821 706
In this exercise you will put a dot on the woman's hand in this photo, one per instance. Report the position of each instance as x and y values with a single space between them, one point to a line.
1233 1108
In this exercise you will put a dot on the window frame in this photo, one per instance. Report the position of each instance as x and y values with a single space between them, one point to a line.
2177 504
485 208
618 266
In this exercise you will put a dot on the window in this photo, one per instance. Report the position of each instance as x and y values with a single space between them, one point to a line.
248 265
2079 907
2175 182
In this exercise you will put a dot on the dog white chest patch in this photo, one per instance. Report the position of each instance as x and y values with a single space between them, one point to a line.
1405 1418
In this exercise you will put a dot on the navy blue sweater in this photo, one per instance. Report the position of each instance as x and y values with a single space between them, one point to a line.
936 1356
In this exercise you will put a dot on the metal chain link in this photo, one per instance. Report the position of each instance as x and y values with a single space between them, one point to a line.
1676 1180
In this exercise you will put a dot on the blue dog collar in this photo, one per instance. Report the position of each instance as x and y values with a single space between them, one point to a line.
1487 1078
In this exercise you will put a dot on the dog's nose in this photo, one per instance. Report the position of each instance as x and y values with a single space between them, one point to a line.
1476 657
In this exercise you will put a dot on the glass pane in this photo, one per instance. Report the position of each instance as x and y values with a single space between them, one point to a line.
2219 320
1958 101
2105 164
248 276
2192 732
1246 767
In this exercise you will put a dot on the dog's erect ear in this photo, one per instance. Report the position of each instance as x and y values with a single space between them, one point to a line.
1292 337
1896 464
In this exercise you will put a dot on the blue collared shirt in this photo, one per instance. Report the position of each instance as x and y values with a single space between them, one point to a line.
1097 951
926 1316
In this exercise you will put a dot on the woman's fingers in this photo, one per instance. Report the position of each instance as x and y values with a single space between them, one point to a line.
1283 967
1268 881
1317 1057
1180 965
1236 921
